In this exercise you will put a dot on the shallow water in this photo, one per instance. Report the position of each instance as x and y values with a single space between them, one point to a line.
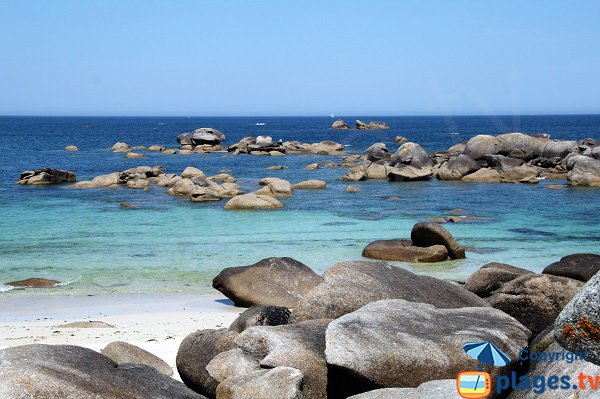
84 238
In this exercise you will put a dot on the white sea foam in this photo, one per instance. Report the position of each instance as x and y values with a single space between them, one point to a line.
4 288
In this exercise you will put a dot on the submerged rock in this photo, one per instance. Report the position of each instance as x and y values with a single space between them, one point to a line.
44 176
34 282
120 147
66 371
404 251
269 282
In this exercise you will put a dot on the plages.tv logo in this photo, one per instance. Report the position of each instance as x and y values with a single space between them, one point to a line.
478 384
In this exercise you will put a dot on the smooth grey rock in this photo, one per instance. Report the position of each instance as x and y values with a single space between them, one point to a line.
340 124
456 168
404 251
271 281
260 316
491 277
196 351
123 353
397 343
576 266
377 152
578 324
535 299
583 171
277 383
347 286
411 154
522 146
481 145
428 234
69 372
437 389
234 362
253 202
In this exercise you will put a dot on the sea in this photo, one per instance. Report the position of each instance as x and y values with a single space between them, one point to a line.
86 240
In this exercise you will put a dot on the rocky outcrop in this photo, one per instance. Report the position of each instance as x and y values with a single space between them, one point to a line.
124 353
360 125
404 251
196 351
491 277
535 299
264 146
269 282
261 316
410 162
456 168
577 266
397 343
66 371
340 124
347 286
378 152
577 327
202 140
583 171
253 202
45 176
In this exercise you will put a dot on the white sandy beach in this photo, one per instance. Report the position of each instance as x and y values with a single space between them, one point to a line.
157 323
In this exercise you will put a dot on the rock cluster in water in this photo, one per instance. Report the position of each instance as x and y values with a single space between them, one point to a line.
360 125
45 176
506 158
264 145
202 140
365 329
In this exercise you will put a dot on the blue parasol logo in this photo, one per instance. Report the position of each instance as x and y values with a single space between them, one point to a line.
487 353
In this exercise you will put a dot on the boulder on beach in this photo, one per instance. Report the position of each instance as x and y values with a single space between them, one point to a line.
66 371
34 282
491 277
269 282
196 351
124 353
428 234
577 327
260 316
348 286
340 124
253 201
397 343
577 266
120 147
300 346
44 176
437 389
404 251
279 382
310 185
535 299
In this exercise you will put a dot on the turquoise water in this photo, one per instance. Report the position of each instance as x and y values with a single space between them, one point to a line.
85 239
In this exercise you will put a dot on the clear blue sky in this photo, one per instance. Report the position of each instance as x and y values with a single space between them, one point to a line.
298 57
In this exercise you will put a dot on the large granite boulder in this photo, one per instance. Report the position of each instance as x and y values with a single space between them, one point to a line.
357 173
409 173
481 145
483 175
577 266
535 299
277 383
522 146
378 152
428 234
310 185
559 367
108 180
275 187
404 251
269 282
457 167
348 286
45 176
34 282
438 389
559 148
491 277
261 316
69 372
578 325
196 351
340 124
329 148
201 136
397 343
253 201
583 171
120 147
360 125
411 154
123 353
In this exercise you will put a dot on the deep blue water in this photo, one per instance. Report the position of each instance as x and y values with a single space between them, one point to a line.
171 244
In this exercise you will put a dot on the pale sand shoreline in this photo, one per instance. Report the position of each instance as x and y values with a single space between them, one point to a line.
156 323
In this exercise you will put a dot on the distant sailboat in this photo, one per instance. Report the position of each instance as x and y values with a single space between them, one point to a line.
332 115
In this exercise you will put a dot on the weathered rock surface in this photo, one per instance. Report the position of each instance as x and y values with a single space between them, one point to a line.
275 187
484 175
348 286
583 171
269 282
108 180
438 389
491 277
196 351
397 343
404 251
340 124
44 176
310 185
253 201
428 234
120 147
68 372
360 125
535 299
578 325
201 136
34 282
71 148
123 353
456 168
261 316
577 266
279 382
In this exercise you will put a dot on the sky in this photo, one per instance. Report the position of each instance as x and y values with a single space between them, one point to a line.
279 57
